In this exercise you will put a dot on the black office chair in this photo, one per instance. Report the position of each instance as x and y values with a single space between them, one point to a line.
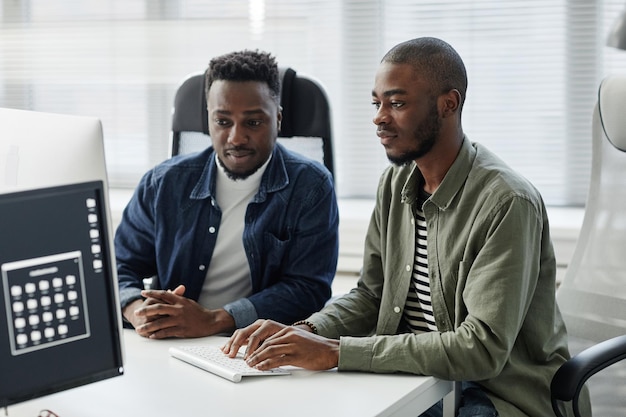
592 297
305 128
568 381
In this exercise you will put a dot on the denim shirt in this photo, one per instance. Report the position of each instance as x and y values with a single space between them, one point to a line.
492 275
169 230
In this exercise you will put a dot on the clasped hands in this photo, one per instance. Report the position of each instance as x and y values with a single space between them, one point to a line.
271 344
168 313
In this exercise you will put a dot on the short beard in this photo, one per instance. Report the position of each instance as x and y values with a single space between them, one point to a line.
406 158
235 176
425 136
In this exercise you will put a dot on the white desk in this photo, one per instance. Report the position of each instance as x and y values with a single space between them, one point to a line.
154 384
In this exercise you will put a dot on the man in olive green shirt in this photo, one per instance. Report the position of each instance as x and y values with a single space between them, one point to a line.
486 300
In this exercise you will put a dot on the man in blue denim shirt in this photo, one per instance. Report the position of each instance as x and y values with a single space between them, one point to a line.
241 231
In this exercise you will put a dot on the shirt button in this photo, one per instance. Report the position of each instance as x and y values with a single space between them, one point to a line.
396 309
201 267
211 229
408 268
412 221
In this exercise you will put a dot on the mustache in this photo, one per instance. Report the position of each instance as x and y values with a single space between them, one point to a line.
237 149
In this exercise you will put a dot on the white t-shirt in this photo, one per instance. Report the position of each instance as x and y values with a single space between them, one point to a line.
228 276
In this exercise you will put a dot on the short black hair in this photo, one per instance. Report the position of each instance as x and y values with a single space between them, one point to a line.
245 66
440 64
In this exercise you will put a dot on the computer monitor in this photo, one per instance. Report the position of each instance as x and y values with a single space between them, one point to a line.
60 326
40 149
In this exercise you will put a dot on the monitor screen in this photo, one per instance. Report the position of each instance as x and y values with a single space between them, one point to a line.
61 324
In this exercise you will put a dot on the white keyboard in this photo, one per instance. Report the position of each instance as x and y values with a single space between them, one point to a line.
212 359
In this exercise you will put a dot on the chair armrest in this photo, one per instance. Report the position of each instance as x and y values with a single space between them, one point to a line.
572 375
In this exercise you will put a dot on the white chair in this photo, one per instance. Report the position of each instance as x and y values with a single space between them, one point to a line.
592 297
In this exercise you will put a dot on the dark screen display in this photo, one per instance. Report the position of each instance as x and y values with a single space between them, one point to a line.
60 324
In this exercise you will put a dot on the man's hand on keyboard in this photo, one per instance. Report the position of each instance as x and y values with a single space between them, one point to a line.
271 344
171 314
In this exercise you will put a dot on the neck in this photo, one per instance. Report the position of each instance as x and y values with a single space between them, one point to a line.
435 165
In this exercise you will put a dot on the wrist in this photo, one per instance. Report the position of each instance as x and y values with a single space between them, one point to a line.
312 327
223 321
128 312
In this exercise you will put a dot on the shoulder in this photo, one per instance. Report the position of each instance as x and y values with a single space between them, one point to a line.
492 171
496 181
179 168
301 168
192 161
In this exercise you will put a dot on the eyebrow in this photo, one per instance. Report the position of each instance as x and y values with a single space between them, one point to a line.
247 112
389 93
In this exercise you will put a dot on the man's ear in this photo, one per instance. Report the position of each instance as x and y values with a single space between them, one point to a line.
451 102
279 117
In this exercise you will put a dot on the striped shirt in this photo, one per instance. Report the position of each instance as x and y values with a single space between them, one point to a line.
418 310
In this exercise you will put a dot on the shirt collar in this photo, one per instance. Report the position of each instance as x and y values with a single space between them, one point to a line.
252 181
452 182
274 178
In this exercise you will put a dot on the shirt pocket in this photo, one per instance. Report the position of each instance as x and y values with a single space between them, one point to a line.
275 247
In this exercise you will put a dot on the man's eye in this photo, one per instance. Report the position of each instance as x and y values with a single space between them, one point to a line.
376 105
221 122
254 122
396 105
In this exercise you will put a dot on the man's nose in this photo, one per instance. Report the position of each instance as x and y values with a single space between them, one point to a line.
237 135
381 116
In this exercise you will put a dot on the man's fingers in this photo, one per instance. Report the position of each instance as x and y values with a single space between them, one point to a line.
253 336
240 338
267 330
163 296
273 362
273 356
180 290
154 312
163 327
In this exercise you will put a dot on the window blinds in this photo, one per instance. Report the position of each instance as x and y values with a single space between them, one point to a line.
533 66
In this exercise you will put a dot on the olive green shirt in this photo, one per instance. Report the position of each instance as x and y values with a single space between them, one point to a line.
492 281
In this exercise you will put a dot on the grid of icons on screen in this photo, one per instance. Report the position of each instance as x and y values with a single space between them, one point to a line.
45 296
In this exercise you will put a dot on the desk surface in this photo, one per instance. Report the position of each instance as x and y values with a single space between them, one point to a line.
156 384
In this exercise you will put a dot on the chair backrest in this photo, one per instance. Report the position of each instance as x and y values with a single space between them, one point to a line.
592 297
305 128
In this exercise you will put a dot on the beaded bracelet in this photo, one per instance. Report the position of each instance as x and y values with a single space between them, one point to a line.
307 323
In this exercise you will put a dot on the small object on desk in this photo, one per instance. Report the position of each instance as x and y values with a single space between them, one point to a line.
213 360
